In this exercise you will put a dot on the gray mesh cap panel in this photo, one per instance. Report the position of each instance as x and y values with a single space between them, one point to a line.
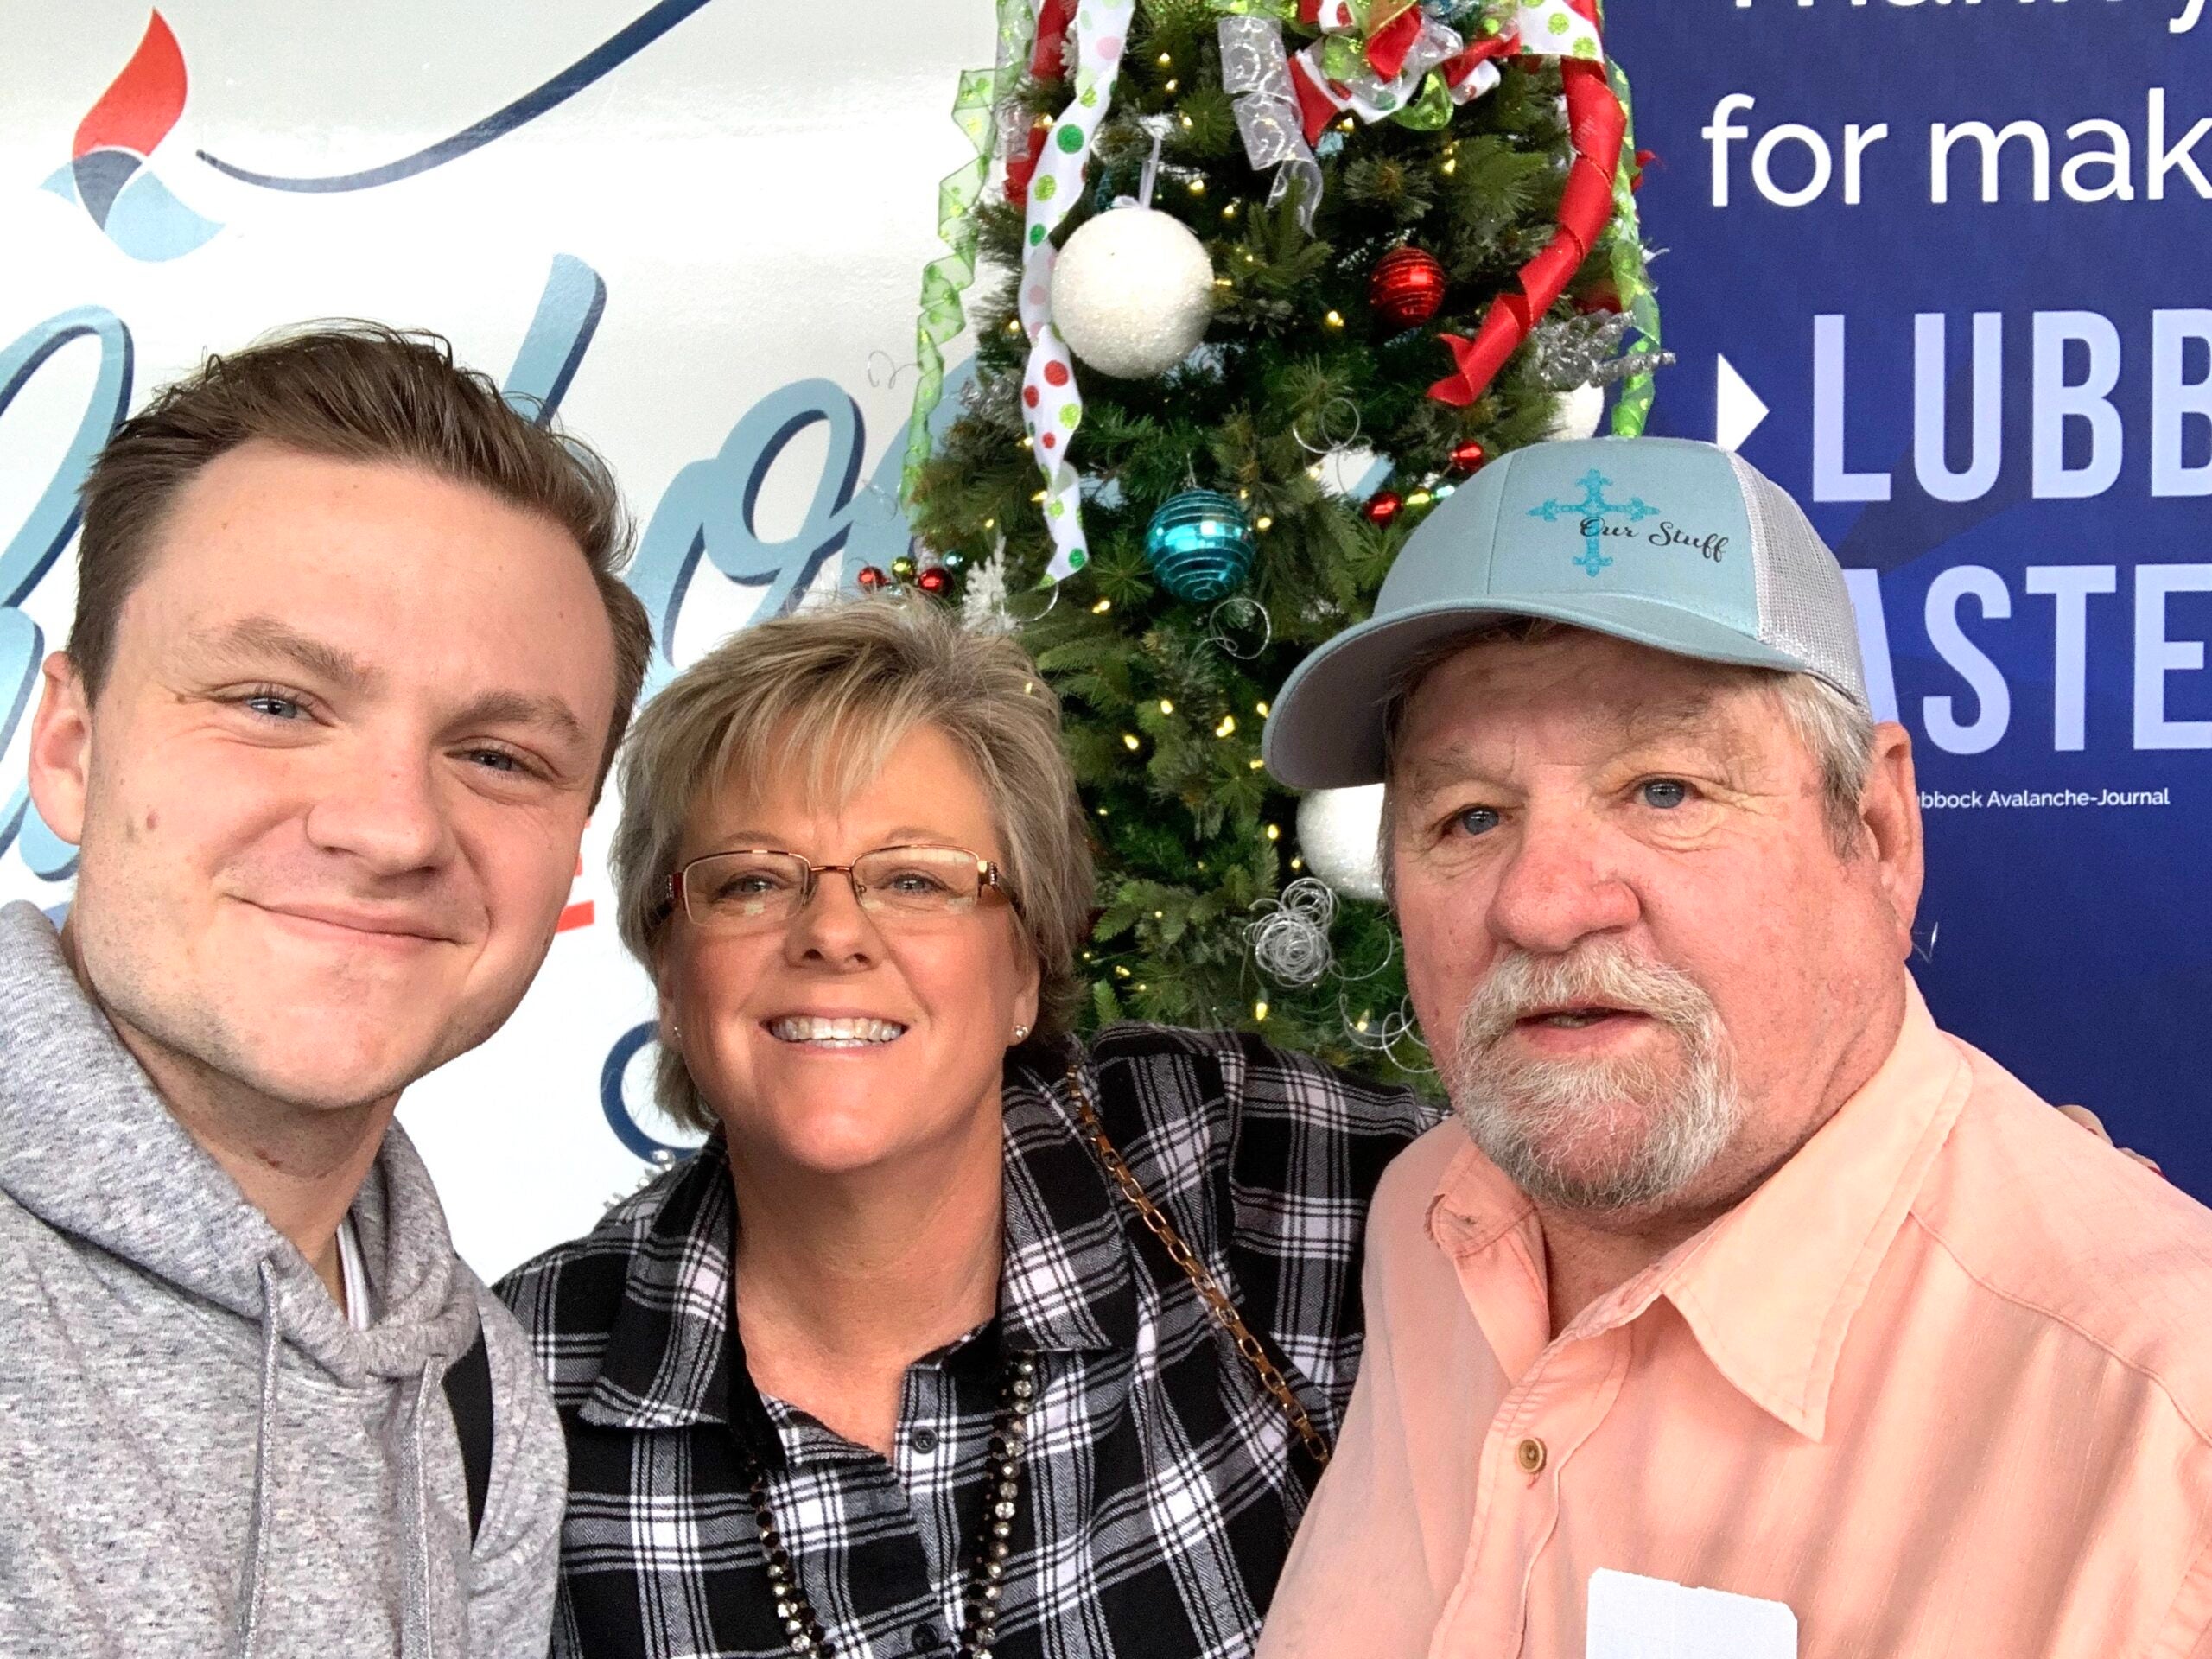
1804 606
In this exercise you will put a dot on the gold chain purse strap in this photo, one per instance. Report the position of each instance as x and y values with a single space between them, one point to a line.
1209 1288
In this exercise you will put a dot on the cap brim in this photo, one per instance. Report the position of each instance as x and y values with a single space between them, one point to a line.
1324 730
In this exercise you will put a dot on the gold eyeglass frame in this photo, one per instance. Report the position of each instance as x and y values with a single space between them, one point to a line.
988 876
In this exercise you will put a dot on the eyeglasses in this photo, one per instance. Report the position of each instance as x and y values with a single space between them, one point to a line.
761 889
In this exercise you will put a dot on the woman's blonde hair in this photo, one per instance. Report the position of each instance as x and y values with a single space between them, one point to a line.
831 692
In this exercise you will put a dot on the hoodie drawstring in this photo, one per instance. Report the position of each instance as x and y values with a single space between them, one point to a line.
415 1628
257 1536
417 1640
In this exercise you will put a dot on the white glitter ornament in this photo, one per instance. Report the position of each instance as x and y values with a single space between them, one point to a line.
1132 292
1577 413
1338 834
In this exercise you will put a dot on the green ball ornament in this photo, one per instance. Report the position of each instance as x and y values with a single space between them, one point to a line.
1200 545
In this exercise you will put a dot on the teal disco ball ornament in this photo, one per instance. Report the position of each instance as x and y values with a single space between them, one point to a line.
1200 545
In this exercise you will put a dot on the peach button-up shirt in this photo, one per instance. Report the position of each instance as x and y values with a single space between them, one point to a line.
1942 1384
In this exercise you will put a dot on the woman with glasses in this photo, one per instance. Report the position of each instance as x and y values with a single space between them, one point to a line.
957 1337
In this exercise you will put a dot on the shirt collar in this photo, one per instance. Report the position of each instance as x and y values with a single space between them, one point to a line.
1770 1290
1771 1294
673 1357
1065 1285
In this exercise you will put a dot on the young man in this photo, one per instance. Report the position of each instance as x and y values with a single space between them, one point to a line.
350 656
1737 1275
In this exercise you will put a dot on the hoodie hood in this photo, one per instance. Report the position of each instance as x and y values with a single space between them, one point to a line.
89 1152
88 1147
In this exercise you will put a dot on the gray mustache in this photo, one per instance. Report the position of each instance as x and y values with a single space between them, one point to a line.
1522 983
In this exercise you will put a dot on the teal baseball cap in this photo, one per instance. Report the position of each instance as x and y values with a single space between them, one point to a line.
1674 544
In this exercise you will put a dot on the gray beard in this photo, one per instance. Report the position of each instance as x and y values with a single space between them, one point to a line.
1663 1125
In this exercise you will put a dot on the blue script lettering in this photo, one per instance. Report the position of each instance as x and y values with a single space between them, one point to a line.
38 544
710 510
619 1119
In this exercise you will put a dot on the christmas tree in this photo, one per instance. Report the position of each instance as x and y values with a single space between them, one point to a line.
1269 279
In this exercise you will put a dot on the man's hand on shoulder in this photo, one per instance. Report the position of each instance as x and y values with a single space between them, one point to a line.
2095 1125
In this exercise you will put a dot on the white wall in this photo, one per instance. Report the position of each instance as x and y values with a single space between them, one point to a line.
757 190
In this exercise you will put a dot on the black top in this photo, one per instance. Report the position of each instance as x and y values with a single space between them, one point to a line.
1161 1484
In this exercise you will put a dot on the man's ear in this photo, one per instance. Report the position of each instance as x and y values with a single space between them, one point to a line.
1889 816
61 747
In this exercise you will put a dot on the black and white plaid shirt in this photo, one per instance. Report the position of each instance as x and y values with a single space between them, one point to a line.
1161 1483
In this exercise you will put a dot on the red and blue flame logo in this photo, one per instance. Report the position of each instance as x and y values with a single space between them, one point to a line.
108 175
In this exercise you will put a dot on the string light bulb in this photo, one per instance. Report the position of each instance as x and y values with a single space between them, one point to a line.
1129 741
1102 608
1228 726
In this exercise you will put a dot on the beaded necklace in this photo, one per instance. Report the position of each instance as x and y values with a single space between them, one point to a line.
1002 1482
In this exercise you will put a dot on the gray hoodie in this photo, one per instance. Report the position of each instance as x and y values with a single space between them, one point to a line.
198 1456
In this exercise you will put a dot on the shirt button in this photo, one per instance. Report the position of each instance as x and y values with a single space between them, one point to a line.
1529 1454
923 1440
926 1639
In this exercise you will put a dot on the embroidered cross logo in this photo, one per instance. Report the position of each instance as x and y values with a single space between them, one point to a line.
1593 510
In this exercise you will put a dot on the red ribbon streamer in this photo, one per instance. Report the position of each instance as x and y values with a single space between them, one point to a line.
1387 47
1595 125
1315 108
1047 59
1456 70
1021 165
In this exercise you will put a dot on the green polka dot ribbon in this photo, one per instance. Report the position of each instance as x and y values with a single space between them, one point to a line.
946 278
1632 276
1381 60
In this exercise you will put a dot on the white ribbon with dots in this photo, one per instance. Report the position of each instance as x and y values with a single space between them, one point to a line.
1052 407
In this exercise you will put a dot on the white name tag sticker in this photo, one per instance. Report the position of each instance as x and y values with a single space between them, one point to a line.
1635 1617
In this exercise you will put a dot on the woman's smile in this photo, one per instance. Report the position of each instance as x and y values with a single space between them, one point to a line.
834 1032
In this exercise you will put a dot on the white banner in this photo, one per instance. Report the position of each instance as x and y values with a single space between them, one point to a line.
702 223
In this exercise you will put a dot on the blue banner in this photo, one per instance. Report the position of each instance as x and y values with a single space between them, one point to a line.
1938 267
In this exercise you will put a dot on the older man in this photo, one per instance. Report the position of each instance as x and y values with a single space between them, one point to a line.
1742 1312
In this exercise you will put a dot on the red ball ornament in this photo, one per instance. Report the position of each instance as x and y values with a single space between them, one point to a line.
872 578
1468 457
1406 287
933 581
1382 507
